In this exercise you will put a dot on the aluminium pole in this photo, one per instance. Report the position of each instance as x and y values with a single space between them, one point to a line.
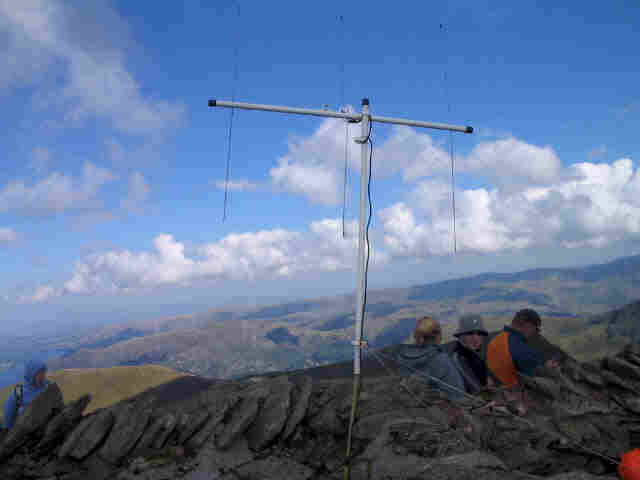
362 243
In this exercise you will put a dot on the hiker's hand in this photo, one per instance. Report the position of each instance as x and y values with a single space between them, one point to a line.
522 409
551 364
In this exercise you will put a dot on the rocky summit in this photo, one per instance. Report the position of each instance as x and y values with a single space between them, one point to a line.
580 420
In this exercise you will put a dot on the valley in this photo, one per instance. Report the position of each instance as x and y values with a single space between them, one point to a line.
231 343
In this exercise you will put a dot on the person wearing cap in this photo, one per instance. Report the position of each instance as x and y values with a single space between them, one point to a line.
35 382
465 352
508 353
429 358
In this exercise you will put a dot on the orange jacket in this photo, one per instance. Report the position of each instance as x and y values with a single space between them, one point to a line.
508 353
500 361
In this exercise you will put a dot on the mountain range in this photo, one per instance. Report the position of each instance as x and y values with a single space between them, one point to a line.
577 305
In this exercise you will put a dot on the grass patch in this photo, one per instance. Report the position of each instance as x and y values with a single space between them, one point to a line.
107 386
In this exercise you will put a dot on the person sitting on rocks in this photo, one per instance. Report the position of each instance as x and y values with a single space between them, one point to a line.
427 357
466 353
508 353
35 382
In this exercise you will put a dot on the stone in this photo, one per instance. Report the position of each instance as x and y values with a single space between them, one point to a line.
369 427
193 426
167 427
238 453
242 417
274 468
327 421
97 468
273 415
300 400
398 434
62 424
622 368
152 433
199 439
612 379
33 418
129 426
182 423
88 435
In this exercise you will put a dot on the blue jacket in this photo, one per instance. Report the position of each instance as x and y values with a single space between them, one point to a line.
433 361
525 358
29 392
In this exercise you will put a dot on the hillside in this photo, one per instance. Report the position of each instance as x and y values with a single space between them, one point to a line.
106 386
578 423
229 343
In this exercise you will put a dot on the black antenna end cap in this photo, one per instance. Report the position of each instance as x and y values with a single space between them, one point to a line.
365 101
212 103
468 130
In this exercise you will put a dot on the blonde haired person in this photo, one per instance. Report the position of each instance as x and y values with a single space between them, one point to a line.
429 358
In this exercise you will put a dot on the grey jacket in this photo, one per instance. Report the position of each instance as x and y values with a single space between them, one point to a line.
433 361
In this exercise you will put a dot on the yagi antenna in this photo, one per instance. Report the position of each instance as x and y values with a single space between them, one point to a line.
365 119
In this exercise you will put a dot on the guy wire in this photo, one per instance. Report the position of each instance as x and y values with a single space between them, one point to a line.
231 113
445 28
342 107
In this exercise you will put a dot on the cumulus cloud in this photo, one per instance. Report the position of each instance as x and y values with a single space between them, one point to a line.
589 205
242 185
512 162
266 254
43 35
7 236
56 193
314 166
311 166
41 294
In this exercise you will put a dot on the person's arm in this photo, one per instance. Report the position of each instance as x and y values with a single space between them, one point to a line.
10 410
526 359
444 369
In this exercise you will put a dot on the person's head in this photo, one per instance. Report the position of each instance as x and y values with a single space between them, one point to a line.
527 322
35 373
427 331
471 332
40 378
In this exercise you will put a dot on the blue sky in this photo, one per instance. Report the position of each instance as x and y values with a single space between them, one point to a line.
110 159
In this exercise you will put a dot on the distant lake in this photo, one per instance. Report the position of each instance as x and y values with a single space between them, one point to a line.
15 374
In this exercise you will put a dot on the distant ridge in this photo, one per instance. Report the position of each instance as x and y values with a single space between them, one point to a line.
227 343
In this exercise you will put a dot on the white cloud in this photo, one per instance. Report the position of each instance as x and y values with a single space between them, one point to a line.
242 185
589 205
412 153
56 193
511 163
311 166
266 254
8 236
44 35
314 166
42 293
138 193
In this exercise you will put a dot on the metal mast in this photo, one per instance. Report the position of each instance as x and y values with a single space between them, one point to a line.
364 118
